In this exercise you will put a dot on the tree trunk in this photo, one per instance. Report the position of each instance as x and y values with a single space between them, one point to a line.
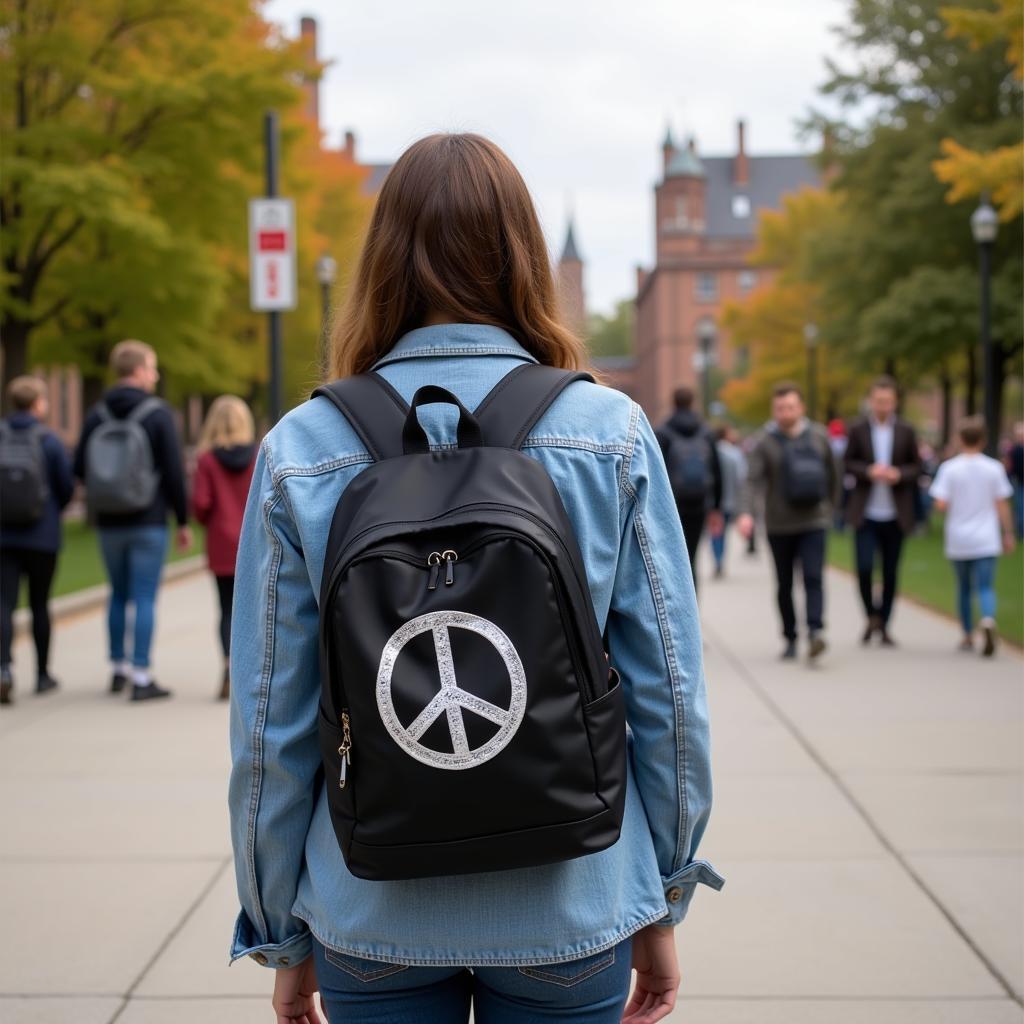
1000 357
14 335
971 398
946 426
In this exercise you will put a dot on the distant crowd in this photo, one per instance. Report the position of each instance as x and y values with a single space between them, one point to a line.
800 479
795 478
129 460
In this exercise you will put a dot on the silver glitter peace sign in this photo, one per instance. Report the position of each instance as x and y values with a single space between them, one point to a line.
451 698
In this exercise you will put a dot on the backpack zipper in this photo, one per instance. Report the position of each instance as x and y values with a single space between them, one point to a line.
345 750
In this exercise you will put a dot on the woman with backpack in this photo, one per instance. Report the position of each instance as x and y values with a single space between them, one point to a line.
227 454
450 616
35 486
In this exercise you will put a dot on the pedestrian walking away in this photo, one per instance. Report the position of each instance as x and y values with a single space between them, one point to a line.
444 621
221 486
35 486
734 474
1015 470
694 472
130 460
974 491
791 470
883 459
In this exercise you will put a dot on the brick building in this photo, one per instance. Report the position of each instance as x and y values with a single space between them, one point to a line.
706 210
569 278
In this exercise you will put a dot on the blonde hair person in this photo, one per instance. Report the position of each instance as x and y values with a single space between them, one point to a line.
223 474
229 422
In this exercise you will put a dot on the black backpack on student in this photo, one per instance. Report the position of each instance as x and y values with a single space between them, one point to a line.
804 473
469 720
24 480
688 461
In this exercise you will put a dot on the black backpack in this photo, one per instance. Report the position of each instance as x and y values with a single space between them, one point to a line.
121 477
469 720
804 473
688 461
24 478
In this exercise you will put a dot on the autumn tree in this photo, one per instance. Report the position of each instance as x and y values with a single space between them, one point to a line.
769 324
898 281
132 141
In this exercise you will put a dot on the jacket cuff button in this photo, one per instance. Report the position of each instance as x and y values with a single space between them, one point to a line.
260 958
675 894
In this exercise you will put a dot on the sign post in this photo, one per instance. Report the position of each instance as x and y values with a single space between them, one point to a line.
272 278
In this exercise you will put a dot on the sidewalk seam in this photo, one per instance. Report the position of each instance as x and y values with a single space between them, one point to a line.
791 727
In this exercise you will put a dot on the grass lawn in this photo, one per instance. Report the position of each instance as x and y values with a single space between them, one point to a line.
80 565
926 576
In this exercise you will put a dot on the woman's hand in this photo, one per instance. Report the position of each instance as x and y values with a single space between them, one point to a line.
294 992
657 975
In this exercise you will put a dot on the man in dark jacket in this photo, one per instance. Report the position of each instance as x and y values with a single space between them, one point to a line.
792 473
134 544
883 459
694 471
31 549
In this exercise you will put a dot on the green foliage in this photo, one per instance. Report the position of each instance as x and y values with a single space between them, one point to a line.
612 336
133 141
900 280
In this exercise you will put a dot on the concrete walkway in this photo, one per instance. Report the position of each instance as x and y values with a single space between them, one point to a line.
869 818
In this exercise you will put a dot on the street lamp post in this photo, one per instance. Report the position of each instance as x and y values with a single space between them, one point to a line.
326 272
811 341
984 227
706 337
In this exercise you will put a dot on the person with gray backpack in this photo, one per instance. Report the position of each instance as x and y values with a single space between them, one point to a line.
35 485
130 460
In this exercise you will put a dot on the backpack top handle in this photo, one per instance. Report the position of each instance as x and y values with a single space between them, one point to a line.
414 437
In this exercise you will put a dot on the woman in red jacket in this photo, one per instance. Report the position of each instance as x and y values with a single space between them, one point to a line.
227 455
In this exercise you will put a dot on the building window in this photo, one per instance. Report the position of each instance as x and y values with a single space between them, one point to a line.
707 286
741 207
747 280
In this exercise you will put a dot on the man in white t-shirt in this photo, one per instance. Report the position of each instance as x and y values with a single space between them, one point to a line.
974 490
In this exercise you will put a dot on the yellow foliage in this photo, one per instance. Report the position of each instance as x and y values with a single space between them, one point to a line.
1005 22
999 172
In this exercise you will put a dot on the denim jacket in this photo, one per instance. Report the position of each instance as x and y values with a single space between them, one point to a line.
599 449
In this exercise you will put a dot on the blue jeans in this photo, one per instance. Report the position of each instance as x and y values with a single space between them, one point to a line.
718 542
1018 510
588 991
975 574
134 556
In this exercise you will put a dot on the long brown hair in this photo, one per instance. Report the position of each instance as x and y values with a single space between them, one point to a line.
454 230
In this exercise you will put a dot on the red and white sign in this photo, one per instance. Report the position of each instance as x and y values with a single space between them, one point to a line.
272 254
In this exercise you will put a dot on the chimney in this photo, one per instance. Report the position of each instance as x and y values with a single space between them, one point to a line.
741 165
311 80
350 145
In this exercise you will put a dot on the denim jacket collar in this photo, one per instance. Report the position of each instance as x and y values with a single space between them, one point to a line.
455 340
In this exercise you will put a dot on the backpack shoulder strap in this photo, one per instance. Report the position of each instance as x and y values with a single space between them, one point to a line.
515 404
144 408
374 408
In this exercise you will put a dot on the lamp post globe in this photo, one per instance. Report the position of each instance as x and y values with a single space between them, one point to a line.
984 228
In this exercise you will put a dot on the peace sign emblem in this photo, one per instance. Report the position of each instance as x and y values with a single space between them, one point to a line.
451 698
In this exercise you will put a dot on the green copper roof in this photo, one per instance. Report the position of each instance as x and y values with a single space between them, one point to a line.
685 164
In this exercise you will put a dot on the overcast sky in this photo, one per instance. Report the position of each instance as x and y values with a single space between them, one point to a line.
578 93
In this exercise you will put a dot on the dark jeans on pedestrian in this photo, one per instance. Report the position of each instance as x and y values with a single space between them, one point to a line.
226 595
134 557
693 528
592 990
807 548
886 537
39 567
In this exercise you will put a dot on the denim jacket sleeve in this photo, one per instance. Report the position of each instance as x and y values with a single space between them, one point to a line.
655 643
274 750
